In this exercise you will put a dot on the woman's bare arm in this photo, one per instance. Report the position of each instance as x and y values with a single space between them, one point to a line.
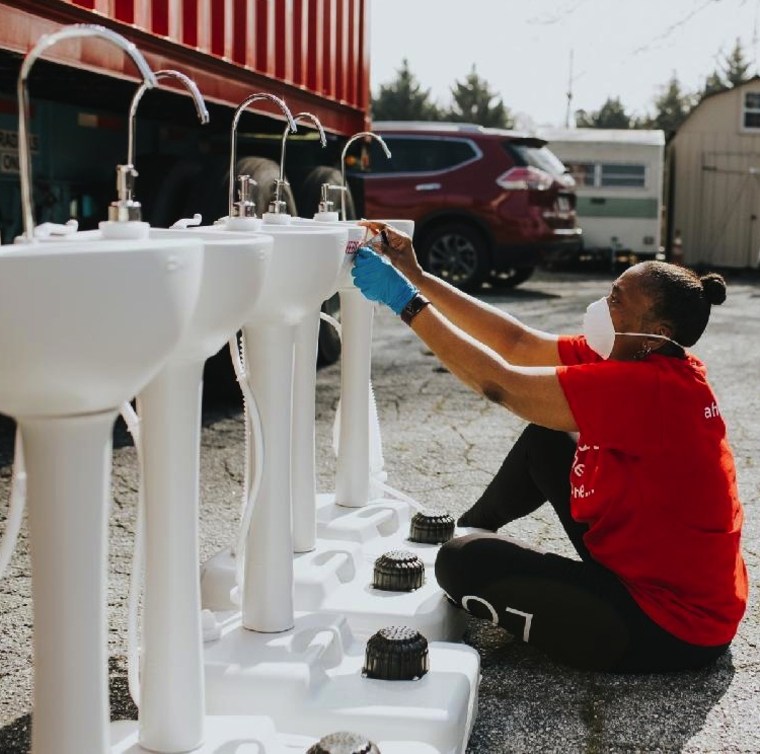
532 393
507 336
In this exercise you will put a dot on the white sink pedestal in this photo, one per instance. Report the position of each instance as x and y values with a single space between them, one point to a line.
172 704
337 537
103 318
68 483
304 669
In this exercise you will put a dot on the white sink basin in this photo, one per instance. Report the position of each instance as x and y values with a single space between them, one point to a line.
86 325
235 267
304 271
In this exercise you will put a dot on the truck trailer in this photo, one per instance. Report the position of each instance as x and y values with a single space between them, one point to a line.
313 54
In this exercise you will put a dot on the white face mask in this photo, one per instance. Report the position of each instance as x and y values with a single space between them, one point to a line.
600 332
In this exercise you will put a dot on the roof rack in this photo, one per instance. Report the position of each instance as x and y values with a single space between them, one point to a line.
427 125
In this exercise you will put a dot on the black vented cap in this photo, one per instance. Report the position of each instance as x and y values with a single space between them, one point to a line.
431 528
399 571
396 653
344 742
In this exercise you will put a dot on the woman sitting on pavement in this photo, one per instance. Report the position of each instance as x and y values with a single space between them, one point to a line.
646 491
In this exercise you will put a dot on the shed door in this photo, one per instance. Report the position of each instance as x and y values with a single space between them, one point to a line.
730 217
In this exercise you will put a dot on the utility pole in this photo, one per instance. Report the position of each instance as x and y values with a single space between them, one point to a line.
569 92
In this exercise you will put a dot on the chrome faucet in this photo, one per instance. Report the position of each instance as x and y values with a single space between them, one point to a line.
48 40
235 208
125 208
189 84
344 188
278 205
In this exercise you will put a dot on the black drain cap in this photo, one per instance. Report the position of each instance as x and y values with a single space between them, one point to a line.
399 571
344 742
396 653
431 528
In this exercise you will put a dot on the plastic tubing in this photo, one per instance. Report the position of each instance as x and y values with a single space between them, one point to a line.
255 434
132 421
16 505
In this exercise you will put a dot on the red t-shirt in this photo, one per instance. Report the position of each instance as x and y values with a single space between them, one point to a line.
654 479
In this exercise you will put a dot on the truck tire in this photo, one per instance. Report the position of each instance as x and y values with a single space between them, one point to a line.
457 253
310 192
511 277
153 171
265 172
171 201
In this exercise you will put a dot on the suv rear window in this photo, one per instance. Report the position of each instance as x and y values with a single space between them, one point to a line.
535 154
421 154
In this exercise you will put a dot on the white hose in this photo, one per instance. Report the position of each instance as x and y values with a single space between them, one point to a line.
334 322
397 494
138 562
16 505
253 434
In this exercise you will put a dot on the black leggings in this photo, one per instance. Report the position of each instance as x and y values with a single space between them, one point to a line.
577 611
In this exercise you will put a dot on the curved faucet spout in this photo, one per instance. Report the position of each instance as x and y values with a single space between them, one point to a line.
278 205
360 135
233 138
188 83
48 40
296 118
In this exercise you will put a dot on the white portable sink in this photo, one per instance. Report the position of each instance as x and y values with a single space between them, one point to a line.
86 324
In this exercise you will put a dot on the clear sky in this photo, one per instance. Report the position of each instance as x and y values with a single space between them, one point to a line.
522 48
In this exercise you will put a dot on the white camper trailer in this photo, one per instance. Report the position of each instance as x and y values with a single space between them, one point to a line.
619 180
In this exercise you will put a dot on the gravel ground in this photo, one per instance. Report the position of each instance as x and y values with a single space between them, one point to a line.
442 444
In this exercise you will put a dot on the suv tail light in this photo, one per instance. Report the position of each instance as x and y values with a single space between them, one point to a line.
525 178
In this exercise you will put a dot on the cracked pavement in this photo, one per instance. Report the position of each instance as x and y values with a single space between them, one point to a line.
442 444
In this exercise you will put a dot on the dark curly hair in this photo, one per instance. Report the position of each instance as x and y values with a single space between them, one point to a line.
682 298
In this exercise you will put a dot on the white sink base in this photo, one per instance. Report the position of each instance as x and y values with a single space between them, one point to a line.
247 735
268 567
309 681
68 463
171 681
336 577
231 735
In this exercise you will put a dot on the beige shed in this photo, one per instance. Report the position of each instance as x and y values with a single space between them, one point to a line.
713 168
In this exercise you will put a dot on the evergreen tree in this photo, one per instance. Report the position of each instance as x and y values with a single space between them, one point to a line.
672 107
612 114
404 99
474 102
735 66
713 83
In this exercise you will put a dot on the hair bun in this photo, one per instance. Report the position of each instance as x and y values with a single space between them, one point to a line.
714 286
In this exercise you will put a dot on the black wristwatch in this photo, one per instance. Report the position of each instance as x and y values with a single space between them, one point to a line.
413 308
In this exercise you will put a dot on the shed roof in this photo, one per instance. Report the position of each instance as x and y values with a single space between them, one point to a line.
604 135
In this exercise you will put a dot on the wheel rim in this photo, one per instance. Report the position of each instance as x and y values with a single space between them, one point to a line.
454 258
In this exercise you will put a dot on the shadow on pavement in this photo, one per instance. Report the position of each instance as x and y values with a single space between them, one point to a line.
529 704
16 737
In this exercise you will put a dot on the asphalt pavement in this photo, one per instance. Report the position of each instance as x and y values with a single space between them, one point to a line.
442 444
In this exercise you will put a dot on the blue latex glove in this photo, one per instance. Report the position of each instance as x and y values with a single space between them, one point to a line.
380 281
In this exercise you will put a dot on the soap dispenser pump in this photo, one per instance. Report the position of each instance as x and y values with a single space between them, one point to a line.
125 214
326 211
243 211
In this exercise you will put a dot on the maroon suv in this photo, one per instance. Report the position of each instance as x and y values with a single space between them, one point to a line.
487 203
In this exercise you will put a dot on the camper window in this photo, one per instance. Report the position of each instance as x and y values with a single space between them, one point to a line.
751 116
608 174
614 174
582 172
